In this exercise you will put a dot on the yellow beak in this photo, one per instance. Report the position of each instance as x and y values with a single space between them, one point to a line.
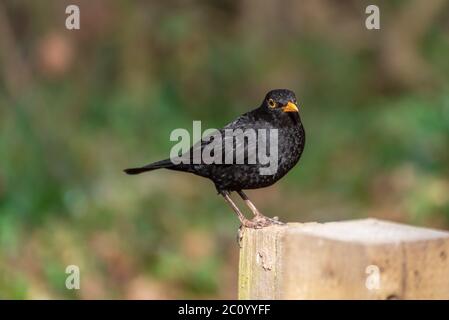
290 107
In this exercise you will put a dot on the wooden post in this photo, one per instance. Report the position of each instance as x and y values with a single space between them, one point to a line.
358 259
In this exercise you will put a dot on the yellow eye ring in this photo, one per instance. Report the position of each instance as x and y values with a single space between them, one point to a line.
271 103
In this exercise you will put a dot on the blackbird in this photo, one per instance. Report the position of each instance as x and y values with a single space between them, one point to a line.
278 116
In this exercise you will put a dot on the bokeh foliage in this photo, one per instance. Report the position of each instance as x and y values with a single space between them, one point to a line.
76 107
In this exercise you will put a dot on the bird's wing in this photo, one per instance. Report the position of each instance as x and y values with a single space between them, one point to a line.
232 143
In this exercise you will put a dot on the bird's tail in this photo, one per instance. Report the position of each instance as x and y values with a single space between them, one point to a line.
152 166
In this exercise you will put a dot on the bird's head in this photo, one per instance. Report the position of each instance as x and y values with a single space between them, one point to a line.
280 100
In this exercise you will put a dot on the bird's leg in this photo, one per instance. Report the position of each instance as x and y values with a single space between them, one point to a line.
244 221
257 214
234 207
250 205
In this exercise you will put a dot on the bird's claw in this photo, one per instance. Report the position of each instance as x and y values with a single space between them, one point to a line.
275 220
261 221
258 222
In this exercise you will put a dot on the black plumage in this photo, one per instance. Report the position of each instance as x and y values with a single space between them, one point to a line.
278 112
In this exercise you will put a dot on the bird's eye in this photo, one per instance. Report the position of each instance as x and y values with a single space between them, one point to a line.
271 103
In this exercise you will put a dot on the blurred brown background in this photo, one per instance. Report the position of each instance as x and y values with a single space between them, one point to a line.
78 106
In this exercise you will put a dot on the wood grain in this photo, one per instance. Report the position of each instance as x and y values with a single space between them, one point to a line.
340 260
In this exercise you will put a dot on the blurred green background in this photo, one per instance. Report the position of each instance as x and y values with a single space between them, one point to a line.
76 107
